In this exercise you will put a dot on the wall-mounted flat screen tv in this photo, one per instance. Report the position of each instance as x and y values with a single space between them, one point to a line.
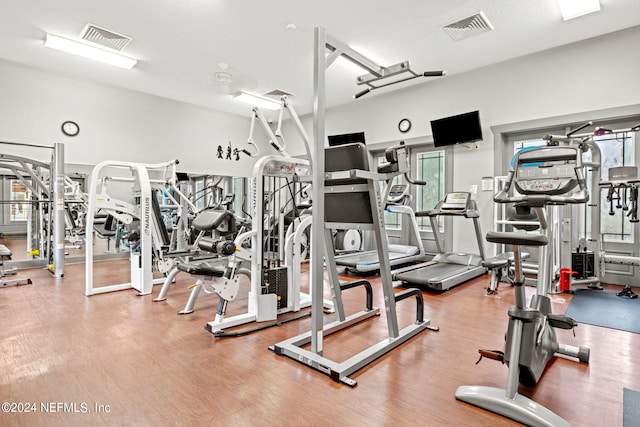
347 138
456 129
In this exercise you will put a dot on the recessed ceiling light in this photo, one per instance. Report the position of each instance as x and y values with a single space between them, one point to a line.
87 51
258 101
573 8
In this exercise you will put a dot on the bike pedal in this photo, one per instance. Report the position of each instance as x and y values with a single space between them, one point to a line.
491 354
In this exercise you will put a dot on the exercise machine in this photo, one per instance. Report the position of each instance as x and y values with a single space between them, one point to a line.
5 254
45 182
502 269
447 269
588 257
273 290
543 177
397 201
326 50
622 187
353 200
152 233
209 256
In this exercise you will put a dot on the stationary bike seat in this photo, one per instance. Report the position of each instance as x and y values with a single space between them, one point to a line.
517 238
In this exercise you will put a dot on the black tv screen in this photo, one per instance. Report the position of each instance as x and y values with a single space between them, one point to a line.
456 129
347 138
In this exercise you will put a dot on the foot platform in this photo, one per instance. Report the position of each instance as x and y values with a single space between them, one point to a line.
627 292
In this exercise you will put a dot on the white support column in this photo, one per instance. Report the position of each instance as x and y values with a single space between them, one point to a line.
317 213
57 181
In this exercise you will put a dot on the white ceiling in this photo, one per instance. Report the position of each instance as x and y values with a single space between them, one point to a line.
180 43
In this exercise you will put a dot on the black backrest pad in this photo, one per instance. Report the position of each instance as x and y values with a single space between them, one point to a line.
210 219
343 205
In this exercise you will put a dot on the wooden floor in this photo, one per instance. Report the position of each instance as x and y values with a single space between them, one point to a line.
121 359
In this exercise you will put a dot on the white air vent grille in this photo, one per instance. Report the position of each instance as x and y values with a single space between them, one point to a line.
467 27
104 37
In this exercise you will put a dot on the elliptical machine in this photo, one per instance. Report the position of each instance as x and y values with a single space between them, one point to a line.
542 176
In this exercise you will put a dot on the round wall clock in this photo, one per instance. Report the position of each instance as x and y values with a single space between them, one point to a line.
70 128
404 125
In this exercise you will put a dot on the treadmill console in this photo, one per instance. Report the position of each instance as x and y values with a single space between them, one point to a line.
456 202
397 194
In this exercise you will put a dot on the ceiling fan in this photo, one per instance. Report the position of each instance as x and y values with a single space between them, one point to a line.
229 81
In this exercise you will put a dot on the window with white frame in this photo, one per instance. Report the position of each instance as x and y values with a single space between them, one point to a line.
616 149
430 167
20 206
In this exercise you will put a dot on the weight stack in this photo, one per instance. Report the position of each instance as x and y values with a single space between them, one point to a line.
583 263
274 281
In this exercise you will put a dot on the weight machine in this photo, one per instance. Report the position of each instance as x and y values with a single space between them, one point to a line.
274 289
276 138
217 258
622 187
5 254
45 181
151 225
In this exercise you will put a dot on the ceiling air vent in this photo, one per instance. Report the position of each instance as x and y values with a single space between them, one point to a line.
104 37
278 92
467 27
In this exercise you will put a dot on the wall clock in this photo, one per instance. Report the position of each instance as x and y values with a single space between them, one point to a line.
404 125
70 128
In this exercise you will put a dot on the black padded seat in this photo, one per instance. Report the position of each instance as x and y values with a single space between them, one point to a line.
105 226
210 219
502 260
517 238
495 262
202 268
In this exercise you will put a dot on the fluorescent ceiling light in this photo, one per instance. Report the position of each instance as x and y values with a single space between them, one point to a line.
258 101
573 8
87 51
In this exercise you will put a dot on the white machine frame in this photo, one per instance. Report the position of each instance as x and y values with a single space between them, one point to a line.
53 191
141 263
264 307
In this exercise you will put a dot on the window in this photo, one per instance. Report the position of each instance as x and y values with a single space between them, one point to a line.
430 167
19 192
528 143
617 149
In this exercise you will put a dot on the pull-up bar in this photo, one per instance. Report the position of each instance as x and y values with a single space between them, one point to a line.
394 70
51 147
376 72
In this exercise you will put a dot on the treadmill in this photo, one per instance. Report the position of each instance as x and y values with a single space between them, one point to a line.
367 261
447 269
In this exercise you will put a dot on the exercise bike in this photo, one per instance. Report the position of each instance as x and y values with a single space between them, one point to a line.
543 177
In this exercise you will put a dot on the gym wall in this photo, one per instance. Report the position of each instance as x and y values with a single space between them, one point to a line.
117 124
591 75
